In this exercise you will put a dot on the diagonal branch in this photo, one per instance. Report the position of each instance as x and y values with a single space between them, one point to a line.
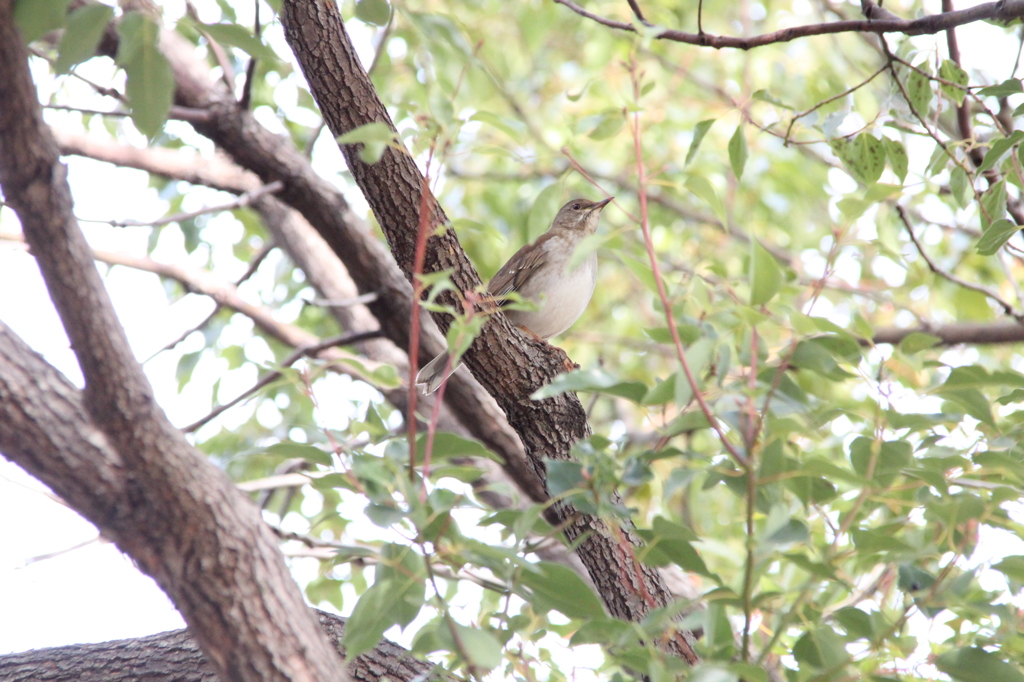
950 277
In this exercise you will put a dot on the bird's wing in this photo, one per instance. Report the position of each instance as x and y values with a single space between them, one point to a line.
518 269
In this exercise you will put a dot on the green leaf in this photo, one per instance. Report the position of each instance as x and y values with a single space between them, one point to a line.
82 35
703 188
961 187
370 618
512 127
738 151
699 131
993 203
36 18
820 648
1012 567
916 342
919 90
609 124
564 476
543 210
310 453
897 155
482 648
995 235
852 207
688 421
999 149
765 96
150 81
812 355
403 573
593 380
669 543
972 664
857 623
448 445
376 12
1004 89
554 586
952 72
891 458
864 156
793 531
239 36
961 387
877 542
765 275
602 631
972 401
375 138
186 364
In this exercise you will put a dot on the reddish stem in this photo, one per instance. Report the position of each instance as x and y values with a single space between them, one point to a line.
414 324
662 294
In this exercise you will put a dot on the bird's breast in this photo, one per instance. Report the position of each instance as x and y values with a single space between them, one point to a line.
561 297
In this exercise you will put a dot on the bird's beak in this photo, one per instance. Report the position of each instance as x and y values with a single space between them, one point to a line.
601 204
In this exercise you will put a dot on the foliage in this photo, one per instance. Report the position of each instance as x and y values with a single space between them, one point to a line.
801 197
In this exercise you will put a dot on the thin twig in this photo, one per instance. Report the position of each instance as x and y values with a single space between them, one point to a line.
299 353
929 24
382 44
344 302
253 266
989 293
635 6
822 103
179 113
250 71
662 294
241 201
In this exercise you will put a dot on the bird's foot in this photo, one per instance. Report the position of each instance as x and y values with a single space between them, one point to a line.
532 334
567 364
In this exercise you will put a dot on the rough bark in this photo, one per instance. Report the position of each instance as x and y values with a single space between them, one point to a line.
175 657
507 364
174 513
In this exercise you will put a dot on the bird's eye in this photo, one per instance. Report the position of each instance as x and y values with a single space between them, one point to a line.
575 207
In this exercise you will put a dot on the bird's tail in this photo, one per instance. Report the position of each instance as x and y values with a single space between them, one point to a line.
433 373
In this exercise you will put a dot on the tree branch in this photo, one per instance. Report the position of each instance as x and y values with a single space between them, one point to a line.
956 333
176 656
932 23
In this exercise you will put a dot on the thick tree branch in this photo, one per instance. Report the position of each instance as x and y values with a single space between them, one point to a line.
932 23
175 656
179 517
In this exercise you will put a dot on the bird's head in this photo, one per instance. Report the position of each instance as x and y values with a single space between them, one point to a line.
580 214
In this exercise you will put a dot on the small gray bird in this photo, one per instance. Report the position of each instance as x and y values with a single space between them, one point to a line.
539 273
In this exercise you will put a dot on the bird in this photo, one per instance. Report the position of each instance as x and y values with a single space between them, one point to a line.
539 272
